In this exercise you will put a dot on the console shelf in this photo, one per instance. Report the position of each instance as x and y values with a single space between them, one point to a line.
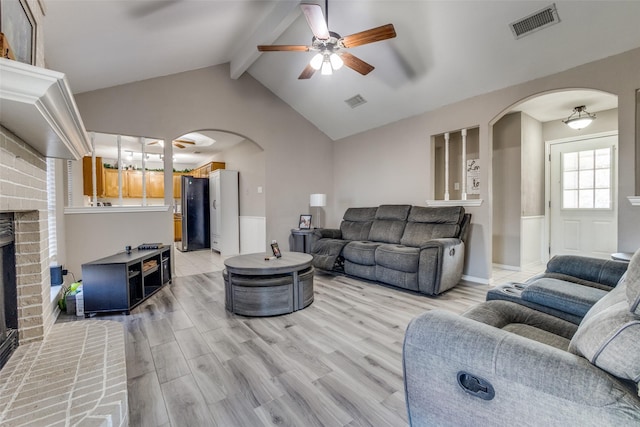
119 282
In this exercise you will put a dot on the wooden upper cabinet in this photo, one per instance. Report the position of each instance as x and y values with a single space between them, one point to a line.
87 176
111 183
204 170
155 184
177 179
134 183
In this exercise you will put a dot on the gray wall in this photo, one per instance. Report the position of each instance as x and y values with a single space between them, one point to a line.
391 164
249 159
532 172
507 185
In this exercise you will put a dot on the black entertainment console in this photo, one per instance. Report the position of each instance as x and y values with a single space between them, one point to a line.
120 282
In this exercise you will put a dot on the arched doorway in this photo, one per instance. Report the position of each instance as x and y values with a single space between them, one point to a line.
522 184
199 150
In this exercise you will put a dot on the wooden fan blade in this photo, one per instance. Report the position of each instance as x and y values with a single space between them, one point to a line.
184 141
283 48
154 143
356 64
307 73
369 36
178 145
315 19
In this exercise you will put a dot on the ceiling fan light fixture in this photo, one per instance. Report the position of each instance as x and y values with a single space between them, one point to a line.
326 67
336 61
316 61
580 118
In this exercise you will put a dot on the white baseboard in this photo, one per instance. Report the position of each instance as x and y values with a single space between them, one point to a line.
473 279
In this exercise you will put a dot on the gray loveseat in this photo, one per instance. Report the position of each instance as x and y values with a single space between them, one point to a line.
411 247
502 364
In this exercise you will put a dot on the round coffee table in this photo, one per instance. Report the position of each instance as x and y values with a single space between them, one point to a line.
255 286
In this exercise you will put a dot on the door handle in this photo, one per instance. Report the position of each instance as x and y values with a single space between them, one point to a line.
214 204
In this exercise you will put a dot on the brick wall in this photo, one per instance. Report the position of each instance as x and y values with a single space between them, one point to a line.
23 191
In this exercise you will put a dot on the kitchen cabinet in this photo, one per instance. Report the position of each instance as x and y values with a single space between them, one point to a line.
134 184
155 184
120 282
176 184
177 228
224 211
111 183
87 176
204 170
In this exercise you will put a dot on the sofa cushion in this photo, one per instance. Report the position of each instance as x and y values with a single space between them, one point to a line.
398 257
632 282
561 295
439 215
356 223
361 252
609 336
393 212
389 223
425 223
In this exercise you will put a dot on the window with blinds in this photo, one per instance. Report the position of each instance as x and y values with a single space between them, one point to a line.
51 210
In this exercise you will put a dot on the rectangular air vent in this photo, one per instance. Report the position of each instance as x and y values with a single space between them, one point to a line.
536 21
355 101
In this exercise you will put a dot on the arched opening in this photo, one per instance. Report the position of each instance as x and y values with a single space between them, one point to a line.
533 179
200 152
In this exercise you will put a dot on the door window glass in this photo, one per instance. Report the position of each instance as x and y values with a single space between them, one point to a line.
586 179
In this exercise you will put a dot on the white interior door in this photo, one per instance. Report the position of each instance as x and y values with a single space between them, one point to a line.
583 217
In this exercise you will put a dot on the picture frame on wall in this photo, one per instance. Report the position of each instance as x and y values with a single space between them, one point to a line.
305 222
19 29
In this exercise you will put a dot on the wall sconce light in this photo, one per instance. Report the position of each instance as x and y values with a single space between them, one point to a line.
580 118
318 201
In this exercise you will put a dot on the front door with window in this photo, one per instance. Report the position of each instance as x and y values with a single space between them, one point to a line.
583 193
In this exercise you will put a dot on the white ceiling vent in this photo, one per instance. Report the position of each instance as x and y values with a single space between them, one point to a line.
355 101
536 21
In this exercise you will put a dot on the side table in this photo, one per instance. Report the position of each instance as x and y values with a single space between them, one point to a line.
301 240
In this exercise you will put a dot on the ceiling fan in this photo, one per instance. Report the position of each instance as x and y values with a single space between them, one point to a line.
180 143
331 46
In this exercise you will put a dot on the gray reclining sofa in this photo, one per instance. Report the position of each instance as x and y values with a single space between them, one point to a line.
503 363
411 247
567 289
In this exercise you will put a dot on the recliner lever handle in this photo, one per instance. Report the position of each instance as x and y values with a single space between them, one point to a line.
475 386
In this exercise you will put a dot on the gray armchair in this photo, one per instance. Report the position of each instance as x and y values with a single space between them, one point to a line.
504 364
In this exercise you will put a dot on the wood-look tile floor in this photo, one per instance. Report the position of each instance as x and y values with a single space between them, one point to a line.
336 363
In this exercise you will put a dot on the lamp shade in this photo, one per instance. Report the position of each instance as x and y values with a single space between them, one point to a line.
317 200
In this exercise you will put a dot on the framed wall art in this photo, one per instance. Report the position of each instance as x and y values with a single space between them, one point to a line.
19 28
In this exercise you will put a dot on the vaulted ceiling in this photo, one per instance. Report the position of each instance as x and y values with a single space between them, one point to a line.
445 51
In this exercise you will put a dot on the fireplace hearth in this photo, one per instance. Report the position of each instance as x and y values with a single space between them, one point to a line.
8 289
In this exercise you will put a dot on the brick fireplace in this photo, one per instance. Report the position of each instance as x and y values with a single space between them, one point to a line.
23 192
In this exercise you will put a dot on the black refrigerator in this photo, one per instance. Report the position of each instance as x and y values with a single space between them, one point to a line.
195 213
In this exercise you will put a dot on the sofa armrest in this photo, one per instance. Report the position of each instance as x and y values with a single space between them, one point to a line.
327 233
529 378
440 265
586 271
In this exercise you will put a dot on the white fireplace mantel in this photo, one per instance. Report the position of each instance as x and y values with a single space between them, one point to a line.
37 105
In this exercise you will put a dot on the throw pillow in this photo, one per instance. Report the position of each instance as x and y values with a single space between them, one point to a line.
632 281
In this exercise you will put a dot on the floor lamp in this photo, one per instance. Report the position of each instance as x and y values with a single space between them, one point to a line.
318 201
